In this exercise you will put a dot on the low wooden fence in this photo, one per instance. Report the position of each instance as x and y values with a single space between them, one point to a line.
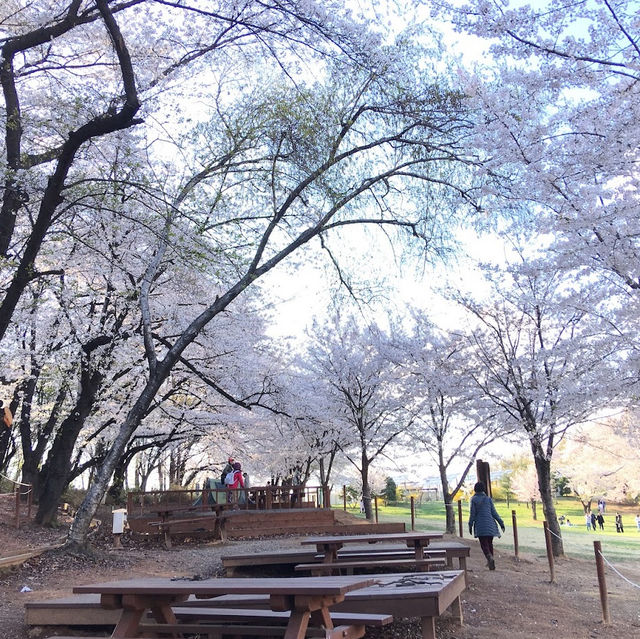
15 504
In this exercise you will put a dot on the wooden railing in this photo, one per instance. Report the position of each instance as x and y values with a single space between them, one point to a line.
254 498
17 501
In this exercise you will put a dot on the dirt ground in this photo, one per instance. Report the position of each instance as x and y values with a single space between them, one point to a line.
516 601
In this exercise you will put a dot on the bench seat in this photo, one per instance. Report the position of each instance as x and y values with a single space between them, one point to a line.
165 527
234 631
320 568
206 613
238 622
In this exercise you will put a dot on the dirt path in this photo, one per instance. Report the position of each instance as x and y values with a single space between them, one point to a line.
516 601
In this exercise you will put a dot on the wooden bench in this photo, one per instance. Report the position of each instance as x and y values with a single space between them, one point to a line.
282 560
259 615
238 622
165 527
452 549
337 567
237 631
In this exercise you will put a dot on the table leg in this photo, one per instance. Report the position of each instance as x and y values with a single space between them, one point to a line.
164 614
322 618
428 628
297 626
128 623
330 552
456 610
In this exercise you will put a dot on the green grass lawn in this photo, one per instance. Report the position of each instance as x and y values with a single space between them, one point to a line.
578 542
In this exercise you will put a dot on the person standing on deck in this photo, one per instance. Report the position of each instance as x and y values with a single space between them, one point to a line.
226 470
5 415
483 522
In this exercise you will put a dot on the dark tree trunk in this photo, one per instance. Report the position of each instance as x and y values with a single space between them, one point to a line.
7 448
55 475
450 513
116 492
33 456
366 489
543 468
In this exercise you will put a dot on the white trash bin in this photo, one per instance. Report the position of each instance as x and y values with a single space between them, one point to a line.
119 520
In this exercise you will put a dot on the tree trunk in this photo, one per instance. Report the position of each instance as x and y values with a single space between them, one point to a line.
543 468
55 475
115 494
366 489
450 522
7 448
450 513
77 538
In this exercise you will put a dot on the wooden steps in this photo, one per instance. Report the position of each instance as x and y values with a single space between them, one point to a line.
300 521
74 610
16 560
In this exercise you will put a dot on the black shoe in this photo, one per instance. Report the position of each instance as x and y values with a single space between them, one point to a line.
491 563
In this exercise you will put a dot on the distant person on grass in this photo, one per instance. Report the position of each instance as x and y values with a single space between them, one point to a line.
482 522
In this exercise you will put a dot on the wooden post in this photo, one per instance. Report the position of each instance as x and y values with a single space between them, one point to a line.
413 513
483 474
344 497
375 503
514 523
16 490
547 539
460 526
602 583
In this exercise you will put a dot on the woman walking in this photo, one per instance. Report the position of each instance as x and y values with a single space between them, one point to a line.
482 522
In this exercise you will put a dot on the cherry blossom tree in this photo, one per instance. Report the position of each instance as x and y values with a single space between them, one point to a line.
542 360
454 422
64 129
525 484
597 461
367 391
277 161
555 111
337 156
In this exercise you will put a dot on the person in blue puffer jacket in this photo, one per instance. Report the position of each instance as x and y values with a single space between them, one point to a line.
483 522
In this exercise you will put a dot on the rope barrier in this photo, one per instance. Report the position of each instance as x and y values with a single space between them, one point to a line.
555 535
19 483
618 572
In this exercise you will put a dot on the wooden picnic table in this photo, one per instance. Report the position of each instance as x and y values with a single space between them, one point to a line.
330 545
424 595
307 598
